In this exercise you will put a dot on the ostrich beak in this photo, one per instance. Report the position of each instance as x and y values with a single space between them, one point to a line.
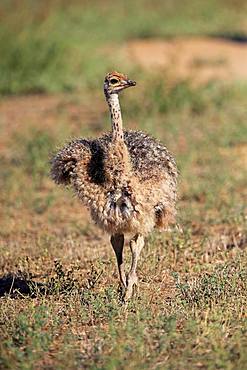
131 83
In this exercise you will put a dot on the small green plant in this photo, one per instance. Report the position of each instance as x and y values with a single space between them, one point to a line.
213 288
30 339
63 282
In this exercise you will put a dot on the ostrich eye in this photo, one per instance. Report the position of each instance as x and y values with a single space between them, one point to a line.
113 81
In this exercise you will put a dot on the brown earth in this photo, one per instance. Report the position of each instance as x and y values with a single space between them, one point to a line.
199 59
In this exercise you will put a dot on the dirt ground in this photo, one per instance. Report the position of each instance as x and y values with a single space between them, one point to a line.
191 282
197 58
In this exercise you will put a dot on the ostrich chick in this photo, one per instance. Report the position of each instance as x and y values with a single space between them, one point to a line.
127 179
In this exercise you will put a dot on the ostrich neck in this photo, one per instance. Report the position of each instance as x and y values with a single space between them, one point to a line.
117 166
116 117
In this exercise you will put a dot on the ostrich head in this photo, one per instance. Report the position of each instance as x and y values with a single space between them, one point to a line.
116 82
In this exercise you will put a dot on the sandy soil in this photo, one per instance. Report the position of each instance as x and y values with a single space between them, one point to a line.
200 59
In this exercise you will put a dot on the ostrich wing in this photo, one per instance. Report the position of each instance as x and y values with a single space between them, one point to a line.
149 158
64 163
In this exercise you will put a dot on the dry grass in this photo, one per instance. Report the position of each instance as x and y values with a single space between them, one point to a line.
59 295
60 304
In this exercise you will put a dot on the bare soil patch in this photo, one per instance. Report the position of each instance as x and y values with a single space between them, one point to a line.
199 59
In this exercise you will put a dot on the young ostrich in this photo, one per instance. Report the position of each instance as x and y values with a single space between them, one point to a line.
127 179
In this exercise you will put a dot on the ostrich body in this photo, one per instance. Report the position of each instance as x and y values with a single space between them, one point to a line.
127 179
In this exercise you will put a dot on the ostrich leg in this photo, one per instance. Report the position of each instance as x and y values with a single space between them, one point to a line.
136 245
117 242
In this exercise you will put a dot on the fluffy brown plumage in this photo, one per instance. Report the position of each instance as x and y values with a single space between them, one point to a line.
148 187
127 179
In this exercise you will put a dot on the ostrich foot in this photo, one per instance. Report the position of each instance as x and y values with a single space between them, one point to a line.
132 283
136 245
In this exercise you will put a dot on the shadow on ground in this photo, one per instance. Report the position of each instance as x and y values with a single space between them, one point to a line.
17 286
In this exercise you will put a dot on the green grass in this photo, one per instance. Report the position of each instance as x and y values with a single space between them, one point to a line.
60 304
190 311
49 48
